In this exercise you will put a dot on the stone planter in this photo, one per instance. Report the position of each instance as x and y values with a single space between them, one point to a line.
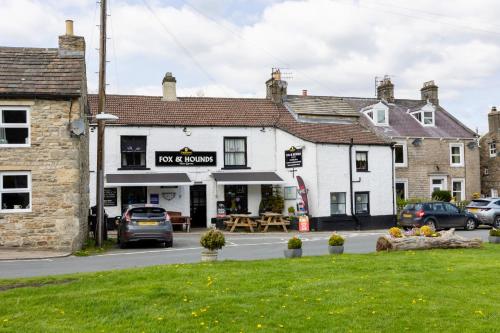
208 255
337 249
293 253
494 239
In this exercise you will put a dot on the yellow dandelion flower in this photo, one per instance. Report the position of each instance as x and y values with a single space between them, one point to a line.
281 326
160 318
413 302
259 326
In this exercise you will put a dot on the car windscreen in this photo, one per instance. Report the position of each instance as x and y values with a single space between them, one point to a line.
479 203
147 212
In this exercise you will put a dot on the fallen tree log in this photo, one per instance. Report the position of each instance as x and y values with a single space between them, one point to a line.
447 240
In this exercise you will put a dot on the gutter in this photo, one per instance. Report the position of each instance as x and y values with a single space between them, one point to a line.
393 184
358 226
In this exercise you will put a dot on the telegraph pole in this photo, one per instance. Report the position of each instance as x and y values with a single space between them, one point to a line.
100 225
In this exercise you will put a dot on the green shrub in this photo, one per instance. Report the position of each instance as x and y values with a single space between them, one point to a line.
441 195
495 232
291 210
213 240
336 240
294 243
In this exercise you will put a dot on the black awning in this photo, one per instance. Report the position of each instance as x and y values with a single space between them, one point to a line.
147 179
246 178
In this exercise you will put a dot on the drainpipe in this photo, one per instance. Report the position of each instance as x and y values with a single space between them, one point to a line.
358 226
393 185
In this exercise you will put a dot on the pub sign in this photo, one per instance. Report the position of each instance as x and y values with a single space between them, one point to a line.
110 196
186 157
293 158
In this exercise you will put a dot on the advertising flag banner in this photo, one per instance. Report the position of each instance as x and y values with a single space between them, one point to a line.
303 194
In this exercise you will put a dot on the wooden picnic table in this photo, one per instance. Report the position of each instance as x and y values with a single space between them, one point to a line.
270 218
240 220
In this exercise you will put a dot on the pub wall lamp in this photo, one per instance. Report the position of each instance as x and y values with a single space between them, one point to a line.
186 131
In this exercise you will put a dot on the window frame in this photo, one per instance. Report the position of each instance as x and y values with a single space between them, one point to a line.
16 125
367 203
428 108
134 167
401 181
462 191
404 164
356 160
372 113
16 190
338 203
242 166
492 149
460 146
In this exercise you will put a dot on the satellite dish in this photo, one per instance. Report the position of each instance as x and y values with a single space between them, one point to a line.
77 127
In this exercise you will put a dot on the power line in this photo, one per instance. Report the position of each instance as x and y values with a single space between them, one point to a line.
113 47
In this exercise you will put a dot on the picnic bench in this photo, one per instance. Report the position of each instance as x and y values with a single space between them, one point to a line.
176 218
271 219
240 220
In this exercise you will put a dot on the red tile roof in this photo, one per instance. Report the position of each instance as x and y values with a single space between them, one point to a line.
230 112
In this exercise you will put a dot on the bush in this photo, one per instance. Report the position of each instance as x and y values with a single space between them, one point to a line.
291 210
294 243
441 195
495 232
426 231
336 240
395 232
213 240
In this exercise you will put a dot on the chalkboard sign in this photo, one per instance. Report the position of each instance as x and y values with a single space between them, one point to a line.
110 197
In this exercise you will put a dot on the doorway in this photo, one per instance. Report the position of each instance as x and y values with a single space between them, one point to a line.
198 206
133 195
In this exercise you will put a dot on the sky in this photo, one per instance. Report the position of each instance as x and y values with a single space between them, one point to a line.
227 48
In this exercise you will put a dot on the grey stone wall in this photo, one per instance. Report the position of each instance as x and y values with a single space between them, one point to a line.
491 179
432 158
58 162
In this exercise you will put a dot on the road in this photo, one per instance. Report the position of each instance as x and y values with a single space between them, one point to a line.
239 246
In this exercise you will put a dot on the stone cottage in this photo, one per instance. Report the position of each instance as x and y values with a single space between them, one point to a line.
490 161
44 145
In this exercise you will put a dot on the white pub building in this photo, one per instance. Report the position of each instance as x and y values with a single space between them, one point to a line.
193 155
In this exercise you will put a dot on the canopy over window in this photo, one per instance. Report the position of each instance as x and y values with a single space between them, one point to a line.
148 179
247 178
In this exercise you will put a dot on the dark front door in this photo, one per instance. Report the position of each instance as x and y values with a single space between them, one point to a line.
133 195
198 195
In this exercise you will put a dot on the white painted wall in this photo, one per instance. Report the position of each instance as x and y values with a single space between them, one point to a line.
325 166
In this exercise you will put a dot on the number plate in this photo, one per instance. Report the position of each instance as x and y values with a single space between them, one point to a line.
147 223
473 210
408 216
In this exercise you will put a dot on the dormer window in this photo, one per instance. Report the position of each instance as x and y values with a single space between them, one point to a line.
378 114
425 115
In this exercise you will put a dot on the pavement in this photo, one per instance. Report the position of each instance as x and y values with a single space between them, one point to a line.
22 254
186 249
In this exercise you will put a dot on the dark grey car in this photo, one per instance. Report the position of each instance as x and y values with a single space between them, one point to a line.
145 222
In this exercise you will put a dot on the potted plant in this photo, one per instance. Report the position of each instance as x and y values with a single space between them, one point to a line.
294 249
212 241
494 236
291 211
336 244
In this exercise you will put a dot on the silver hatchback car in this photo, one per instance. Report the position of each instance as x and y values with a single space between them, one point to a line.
486 210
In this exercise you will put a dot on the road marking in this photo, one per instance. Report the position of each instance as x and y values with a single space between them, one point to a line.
23 260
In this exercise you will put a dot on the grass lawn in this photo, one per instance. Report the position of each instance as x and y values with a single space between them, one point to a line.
425 291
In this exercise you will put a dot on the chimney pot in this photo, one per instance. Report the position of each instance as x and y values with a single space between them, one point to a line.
69 27
385 90
304 92
276 89
493 109
169 88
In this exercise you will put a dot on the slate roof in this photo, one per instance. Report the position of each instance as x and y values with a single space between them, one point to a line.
403 124
230 112
39 72
320 106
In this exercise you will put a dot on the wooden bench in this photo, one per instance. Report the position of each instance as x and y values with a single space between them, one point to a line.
176 218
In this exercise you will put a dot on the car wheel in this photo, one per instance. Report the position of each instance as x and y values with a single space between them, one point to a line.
470 224
169 244
431 223
496 223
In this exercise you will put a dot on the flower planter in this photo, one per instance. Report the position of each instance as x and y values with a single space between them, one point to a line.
337 249
293 253
208 255
494 239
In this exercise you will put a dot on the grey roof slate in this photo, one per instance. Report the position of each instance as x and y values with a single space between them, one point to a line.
320 106
40 72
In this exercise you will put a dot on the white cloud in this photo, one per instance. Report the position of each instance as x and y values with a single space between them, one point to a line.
332 47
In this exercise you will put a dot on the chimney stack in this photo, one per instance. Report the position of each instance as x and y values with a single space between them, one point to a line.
304 92
71 46
385 90
169 89
494 120
430 92
276 88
